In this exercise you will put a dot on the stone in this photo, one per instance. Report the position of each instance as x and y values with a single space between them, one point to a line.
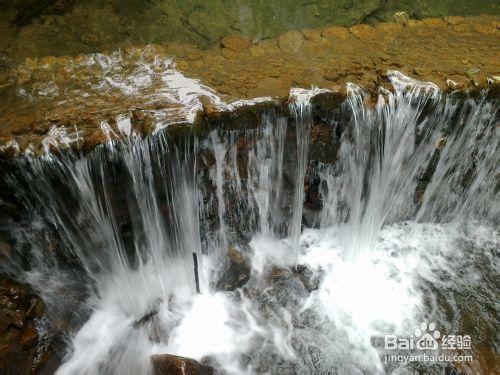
312 35
362 31
434 22
401 18
307 277
333 75
291 41
216 81
448 46
485 28
194 55
23 76
29 336
454 20
335 32
209 107
19 349
257 51
422 71
167 364
5 250
92 140
236 43
236 270
229 54
48 62
139 115
182 65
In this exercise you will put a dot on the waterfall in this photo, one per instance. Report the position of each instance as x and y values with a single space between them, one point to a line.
135 250
407 203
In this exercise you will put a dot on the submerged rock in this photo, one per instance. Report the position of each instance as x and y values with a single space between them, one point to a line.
235 272
167 364
21 348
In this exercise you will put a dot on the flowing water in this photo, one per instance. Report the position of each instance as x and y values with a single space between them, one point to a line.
408 233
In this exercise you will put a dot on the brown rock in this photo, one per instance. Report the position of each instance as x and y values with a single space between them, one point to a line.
182 65
19 353
167 364
313 35
30 63
5 250
362 31
48 61
91 141
29 336
291 41
229 54
401 18
422 71
236 270
434 22
454 20
23 76
194 55
139 115
389 28
485 28
334 75
209 107
335 32
256 51
236 43
235 256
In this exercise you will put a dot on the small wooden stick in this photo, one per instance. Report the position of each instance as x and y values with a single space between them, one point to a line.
196 279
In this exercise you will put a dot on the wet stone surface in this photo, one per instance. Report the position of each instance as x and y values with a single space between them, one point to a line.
166 364
22 349
98 97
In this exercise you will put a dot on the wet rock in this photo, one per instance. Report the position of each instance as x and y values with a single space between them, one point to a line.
23 76
91 141
422 71
335 32
5 250
257 51
362 31
291 41
236 43
167 364
209 108
285 289
21 351
307 277
312 35
333 75
236 270
401 18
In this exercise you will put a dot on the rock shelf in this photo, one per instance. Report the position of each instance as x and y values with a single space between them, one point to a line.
85 100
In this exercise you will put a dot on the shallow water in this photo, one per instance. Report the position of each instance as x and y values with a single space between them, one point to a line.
73 27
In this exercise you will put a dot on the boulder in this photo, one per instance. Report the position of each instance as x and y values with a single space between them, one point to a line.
167 364
236 43
291 41
235 272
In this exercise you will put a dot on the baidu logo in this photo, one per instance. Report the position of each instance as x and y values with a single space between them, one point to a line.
427 337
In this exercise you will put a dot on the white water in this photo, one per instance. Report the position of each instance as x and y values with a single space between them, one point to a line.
381 257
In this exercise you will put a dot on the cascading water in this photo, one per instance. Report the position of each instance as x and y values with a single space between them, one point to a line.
406 233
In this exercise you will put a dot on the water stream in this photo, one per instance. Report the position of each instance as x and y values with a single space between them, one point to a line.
408 232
